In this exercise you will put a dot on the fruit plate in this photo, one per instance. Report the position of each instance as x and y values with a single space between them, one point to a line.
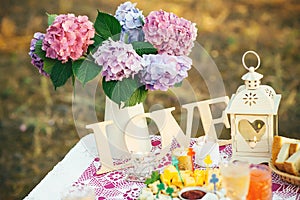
285 176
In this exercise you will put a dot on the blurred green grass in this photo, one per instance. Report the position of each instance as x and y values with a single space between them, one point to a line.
36 122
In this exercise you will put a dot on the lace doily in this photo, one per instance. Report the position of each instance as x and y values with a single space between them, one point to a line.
114 185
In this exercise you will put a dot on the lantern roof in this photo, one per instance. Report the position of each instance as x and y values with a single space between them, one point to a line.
260 101
253 98
252 75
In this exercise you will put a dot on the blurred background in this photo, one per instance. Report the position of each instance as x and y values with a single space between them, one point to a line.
36 122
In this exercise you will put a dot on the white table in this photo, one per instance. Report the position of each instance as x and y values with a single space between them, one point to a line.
67 171
80 157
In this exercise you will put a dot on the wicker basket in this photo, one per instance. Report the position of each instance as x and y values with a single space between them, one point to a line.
285 176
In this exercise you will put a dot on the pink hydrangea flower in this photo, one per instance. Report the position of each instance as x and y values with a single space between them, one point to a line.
163 71
68 37
119 60
169 33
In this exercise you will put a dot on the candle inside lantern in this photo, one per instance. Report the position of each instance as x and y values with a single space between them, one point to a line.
252 144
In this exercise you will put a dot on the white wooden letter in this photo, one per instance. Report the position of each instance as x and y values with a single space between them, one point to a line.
103 147
206 116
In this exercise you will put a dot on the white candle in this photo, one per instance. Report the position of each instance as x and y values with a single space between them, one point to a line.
252 144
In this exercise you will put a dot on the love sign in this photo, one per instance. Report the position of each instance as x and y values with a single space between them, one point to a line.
168 128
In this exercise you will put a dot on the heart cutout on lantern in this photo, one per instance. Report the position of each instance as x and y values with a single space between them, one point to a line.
252 132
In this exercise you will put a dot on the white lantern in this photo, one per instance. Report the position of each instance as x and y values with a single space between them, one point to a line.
253 117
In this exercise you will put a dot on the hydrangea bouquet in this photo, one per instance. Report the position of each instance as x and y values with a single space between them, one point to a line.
133 53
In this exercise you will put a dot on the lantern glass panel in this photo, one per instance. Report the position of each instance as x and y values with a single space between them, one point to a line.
252 130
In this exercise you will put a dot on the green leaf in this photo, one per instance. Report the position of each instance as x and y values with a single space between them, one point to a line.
144 48
141 20
138 96
107 25
48 62
154 177
51 18
116 37
98 40
61 73
120 91
178 84
148 181
38 49
85 70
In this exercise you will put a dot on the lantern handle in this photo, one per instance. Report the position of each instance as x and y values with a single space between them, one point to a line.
258 60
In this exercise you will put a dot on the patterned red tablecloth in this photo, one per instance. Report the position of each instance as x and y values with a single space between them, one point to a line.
113 185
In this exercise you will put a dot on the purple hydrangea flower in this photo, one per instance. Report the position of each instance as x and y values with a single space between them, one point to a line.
169 33
131 20
163 71
35 59
119 60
